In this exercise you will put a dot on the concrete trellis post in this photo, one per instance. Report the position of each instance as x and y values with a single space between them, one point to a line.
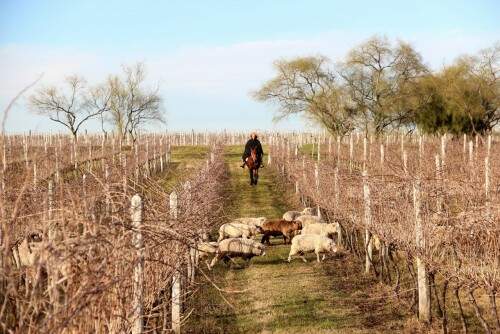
176 278
439 198
338 150
26 153
316 177
337 200
137 312
35 180
57 166
420 149
351 152
191 256
443 151
365 151
402 144
424 293
367 222
319 151
50 199
382 156
487 184
4 157
405 163
465 146
471 151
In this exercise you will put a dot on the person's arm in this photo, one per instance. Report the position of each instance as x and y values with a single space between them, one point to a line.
246 152
260 150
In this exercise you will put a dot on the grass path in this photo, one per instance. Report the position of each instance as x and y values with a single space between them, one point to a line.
184 162
277 297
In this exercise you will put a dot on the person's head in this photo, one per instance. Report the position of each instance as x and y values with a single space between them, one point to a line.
253 135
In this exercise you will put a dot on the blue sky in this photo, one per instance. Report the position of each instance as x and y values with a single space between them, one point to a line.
208 55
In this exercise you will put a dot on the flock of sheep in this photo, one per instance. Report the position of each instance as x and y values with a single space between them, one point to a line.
305 232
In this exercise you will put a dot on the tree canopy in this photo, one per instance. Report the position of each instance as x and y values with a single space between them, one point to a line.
383 85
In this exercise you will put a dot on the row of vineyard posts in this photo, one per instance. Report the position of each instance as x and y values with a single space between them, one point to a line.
115 247
424 201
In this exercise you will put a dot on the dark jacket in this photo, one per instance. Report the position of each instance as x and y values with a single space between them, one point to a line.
253 143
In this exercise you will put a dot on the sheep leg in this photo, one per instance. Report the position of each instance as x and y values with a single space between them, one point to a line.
216 258
292 252
317 256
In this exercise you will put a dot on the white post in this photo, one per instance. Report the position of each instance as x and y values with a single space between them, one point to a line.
351 147
337 202
365 153
34 174
471 151
338 150
382 156
439 201
465 146
319 150
443 152
487 184
136 216
316 177
405 163
367 222
420 149
424 293
176 278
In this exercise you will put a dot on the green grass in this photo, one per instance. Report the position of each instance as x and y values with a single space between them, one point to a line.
278 297
184 162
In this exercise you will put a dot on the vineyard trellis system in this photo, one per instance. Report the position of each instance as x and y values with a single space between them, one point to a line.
427 206
90 241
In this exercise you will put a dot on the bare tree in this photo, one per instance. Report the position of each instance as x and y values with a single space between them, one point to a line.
306 86
131 105
376 75
72 107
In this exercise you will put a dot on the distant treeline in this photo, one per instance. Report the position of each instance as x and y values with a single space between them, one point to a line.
382 85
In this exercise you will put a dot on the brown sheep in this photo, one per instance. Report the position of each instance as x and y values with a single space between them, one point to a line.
280 227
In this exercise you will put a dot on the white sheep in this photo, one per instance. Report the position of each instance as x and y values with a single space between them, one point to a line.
311 243
309 219
32 252
250 221
321 229
308 211
292 215
237 230
237 247
206 248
